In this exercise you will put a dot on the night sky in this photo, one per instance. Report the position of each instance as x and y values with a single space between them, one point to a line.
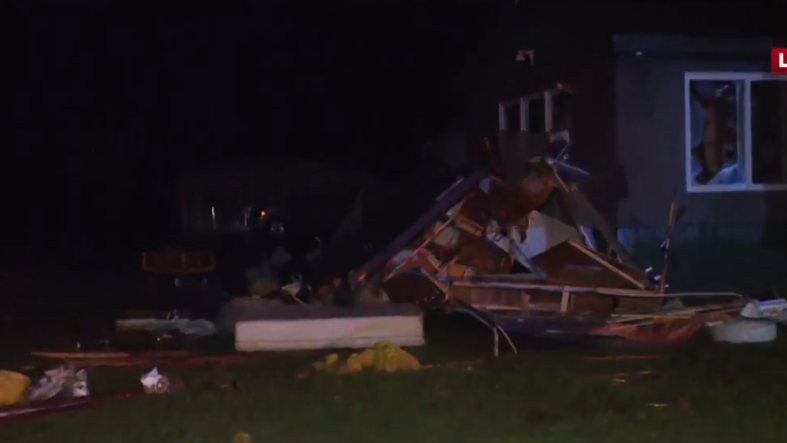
109 103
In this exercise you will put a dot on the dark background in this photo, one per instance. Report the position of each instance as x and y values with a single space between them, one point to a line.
107 103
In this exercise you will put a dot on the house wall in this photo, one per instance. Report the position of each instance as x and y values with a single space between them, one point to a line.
651 145
734 238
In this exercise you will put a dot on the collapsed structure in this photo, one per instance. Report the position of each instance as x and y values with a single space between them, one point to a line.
535 257
518 245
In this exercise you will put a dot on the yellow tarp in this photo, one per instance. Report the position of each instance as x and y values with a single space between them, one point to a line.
12 387
383 356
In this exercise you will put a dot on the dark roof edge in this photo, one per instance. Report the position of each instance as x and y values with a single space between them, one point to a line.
681 45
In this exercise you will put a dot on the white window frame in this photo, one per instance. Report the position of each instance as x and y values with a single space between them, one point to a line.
744 96
524 111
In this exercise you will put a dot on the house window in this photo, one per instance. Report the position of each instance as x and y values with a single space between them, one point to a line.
736 131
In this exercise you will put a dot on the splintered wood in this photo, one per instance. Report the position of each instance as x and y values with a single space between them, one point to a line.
573 264
470 255
531 300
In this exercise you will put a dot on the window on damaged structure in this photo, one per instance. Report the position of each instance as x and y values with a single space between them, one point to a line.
511 116
736 132
538 113
547 112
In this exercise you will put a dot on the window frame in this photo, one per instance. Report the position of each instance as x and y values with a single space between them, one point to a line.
746 78
524 110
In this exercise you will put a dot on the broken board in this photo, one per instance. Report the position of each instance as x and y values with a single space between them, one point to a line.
298 327
573 264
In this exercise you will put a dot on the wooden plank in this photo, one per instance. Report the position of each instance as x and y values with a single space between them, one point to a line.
469 226
455 212
493 307
588 289
573 264
593 255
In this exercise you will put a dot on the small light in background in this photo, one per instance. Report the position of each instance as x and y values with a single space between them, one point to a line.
262 214
638 53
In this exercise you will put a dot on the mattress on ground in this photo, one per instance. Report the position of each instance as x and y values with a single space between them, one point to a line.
292 327
235 309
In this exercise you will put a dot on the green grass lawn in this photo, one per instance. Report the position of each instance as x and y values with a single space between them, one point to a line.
544 394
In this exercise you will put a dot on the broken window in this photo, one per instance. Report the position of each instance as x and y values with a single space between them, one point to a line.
736 127
715 125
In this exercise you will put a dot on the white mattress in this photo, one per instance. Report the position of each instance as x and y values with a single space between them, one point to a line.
293 327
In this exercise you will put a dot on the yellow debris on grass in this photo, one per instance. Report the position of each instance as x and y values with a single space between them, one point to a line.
12 387
384 356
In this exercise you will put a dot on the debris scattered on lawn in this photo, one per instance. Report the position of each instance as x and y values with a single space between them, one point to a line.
44 407
623 377
28 409
155 383
157 358
60 388
64 380
466 365
94 344
682 403
383 356
12 387
771 309
638 373
73 356
624 357
618 377
231 386
242 437
196 328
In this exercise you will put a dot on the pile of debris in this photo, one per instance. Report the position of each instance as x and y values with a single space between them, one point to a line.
535 257
520 247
